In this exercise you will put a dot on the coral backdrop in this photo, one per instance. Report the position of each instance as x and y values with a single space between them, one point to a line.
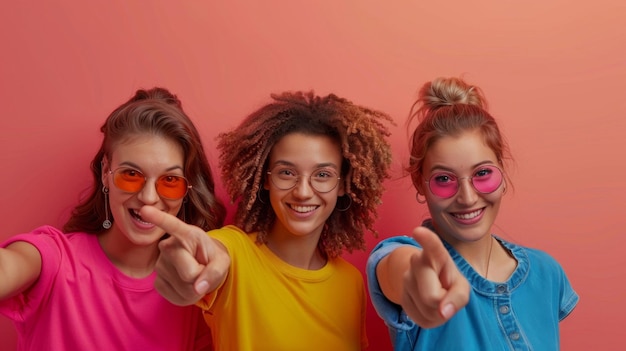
554 73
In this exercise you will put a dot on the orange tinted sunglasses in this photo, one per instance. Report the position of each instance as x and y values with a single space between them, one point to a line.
171 187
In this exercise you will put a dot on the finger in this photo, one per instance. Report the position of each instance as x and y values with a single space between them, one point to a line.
435 254
215 272
424 293
457 291
193 239
169 223
177 270
426 280
454 286
176 261
173 294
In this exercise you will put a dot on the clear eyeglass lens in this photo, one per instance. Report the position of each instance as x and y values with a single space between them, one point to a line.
322 181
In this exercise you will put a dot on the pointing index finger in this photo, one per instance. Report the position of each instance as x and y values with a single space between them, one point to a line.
434 253
171 224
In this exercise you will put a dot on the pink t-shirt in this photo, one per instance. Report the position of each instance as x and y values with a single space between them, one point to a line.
83 302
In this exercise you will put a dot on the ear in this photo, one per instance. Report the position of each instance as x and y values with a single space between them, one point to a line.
342 189
104 169
420 188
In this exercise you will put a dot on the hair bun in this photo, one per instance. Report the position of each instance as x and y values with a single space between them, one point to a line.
450 91
157 93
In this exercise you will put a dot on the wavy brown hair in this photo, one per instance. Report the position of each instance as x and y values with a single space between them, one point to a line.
362 135
449 107
154 112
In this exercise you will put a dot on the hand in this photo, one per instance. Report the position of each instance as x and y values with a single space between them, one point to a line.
434 289
191 263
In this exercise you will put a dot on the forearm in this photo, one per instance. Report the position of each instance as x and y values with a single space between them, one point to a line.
20 266
390 272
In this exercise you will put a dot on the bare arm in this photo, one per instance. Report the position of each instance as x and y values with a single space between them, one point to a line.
20 266
390 272
190 264
425 282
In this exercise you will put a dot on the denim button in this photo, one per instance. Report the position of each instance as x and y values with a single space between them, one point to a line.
501 289
514 336
504 309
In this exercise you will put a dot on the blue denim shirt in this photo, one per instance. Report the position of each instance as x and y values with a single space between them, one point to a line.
522 313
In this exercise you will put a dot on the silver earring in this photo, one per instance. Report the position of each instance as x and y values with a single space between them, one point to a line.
107 223
346 207
417 197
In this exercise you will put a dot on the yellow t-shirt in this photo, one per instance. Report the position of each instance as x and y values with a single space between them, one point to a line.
267 304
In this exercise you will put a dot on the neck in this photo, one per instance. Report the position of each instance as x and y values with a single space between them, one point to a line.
133 260
477 253
301 252
488 263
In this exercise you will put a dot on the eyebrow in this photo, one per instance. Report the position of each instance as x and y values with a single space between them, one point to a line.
448 169
317 166
133 165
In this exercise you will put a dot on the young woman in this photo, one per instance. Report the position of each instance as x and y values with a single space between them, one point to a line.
91 286
307 173
467 289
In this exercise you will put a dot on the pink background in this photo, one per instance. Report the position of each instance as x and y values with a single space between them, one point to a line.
554 73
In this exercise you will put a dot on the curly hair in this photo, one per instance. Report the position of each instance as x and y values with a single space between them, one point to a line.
449 107
362 134
153 112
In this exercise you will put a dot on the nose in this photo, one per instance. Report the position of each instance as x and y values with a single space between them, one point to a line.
148 194
467 195
303 187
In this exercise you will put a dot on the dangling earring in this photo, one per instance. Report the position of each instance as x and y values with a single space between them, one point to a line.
417 197
346 207
107 223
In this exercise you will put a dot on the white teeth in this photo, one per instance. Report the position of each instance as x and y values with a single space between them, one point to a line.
303 209
468 215
138 217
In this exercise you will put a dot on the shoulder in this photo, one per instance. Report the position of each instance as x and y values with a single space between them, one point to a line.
533 255
45 239
537 263
545 271
394 242
236 241
385 247
229 234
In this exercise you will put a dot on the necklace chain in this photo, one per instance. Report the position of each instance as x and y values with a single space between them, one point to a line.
489 257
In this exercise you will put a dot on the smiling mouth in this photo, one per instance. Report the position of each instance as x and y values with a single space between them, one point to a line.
135 214
468 215
303 209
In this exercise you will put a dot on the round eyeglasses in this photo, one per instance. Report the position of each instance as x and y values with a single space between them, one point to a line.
171 187
485 179
322 180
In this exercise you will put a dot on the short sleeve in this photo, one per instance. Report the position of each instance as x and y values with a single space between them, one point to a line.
50 243
391 313
569 298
